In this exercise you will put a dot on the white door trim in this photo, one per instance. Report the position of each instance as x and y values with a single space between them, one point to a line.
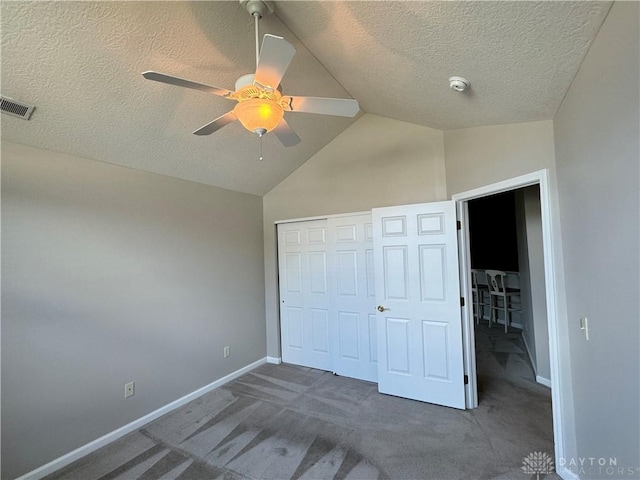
541 178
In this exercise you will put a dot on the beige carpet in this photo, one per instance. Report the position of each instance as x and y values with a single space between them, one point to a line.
287 422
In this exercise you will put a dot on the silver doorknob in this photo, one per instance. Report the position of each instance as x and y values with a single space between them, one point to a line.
381 308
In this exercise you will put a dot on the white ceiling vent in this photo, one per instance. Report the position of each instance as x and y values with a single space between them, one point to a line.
17 109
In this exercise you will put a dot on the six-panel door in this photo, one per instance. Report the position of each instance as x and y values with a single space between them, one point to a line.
417 288
304 294
353 297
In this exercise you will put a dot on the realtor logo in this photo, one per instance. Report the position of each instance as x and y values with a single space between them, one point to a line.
538 463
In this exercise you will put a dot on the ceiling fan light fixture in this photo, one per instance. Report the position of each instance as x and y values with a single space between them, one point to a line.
259 115
261 106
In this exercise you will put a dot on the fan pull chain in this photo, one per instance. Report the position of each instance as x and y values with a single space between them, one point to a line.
261 157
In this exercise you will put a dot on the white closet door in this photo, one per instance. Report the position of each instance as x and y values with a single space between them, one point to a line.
353 328
304 294
417 287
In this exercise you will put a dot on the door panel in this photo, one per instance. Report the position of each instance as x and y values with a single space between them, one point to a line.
318 272
396 272
304 294
397 345
435 337
416 279
348 333
293 271
347 269
432 272
293 328
353 301
320 330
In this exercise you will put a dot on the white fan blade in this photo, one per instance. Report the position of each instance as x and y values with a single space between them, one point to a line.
341 107
275 56
181 82
285 134
217 124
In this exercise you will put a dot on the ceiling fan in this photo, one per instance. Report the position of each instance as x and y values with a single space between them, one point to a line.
261 105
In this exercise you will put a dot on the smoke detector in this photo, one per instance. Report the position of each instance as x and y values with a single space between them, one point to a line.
459 84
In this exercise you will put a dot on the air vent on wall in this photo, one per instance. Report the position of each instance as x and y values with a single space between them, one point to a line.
17 109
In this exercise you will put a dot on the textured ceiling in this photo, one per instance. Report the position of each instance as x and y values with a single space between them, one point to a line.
80 64
396 58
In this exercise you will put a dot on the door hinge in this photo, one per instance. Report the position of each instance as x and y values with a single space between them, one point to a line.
462 301
458 225
466 379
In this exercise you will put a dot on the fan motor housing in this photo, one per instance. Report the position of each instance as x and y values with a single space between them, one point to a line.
244 80
247 89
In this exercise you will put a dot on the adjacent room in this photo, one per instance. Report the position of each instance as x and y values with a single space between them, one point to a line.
245 239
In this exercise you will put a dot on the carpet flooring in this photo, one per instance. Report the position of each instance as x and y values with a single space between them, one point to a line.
289 422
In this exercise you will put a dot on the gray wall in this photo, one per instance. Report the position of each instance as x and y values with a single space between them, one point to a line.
535 329
597 154
526 309
376 162
533 218
111 275
479 156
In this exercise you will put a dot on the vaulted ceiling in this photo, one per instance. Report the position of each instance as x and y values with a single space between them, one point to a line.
80 64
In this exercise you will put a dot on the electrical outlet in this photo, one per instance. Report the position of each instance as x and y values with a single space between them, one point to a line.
226 351
129 389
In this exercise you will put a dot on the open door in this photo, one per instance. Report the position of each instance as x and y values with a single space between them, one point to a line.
419 327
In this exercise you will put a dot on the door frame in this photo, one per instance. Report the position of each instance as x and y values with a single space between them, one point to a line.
541 178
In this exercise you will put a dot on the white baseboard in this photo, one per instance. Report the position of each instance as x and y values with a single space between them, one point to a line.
78 453
533 363
274 360
543 381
